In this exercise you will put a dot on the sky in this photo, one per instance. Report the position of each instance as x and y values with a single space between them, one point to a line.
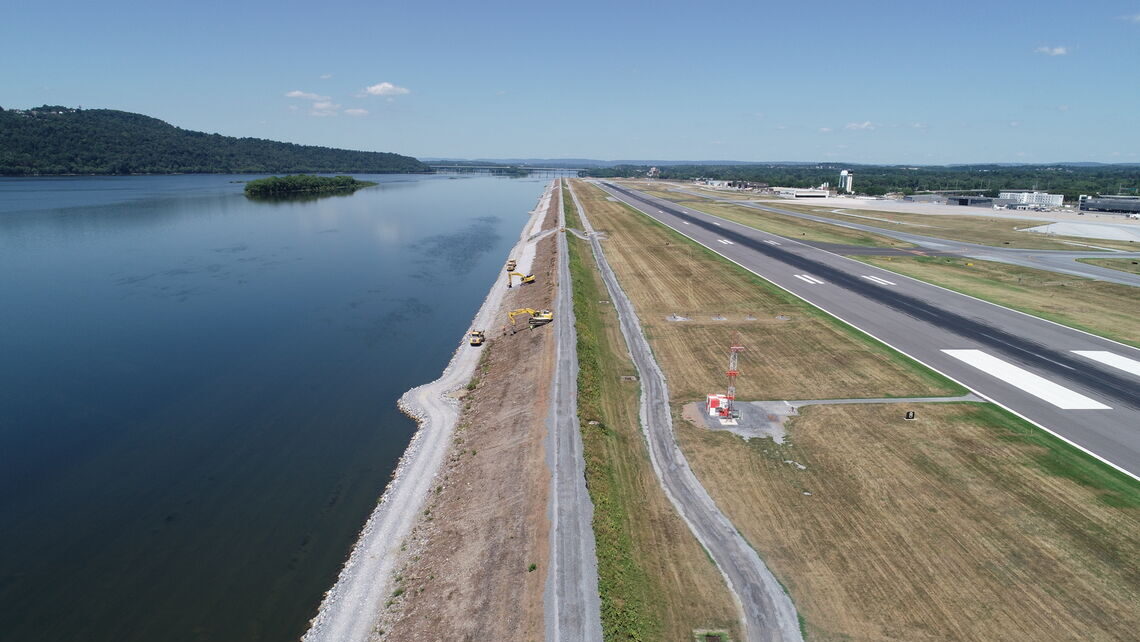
861 82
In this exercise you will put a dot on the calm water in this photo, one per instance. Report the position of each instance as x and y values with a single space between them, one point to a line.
197 392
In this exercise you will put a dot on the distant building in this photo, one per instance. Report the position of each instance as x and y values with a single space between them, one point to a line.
1120 203
801 192
970 201
847 181
654 173
1033 198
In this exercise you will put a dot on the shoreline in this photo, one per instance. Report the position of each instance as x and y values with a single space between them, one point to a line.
351 609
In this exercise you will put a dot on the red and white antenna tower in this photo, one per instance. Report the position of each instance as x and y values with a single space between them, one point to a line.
729 409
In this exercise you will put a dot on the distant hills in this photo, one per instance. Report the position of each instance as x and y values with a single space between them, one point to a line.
54 140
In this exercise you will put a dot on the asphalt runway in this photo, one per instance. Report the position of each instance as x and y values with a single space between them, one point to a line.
1082 388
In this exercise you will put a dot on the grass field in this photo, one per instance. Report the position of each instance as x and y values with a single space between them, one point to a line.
1107 309
793 350
965 524
953 526
655 581
1124 265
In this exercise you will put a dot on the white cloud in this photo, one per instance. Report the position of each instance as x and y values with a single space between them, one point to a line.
1132 18
294 108
825 130
1015 123
1052 51
866 124
781 127
326 76
920 125
324 108
1062 108
297 93
356 112
386 89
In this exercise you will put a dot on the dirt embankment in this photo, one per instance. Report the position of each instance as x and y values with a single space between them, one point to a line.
466 569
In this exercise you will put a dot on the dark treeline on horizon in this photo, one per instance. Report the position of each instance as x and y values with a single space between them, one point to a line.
876 180
53 140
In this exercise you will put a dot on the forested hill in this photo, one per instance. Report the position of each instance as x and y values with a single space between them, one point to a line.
60 140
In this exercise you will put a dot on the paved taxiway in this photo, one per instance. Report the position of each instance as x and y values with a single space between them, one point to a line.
1083 388
1061 261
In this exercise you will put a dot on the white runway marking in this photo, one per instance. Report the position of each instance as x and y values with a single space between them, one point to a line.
725 241
770 242
1039 387
715 223
1130 366
808 279
685 222
876 279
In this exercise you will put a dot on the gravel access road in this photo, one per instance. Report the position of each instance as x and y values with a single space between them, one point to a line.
573 607
768 613
352 608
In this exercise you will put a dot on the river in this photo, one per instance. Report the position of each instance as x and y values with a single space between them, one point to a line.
197 391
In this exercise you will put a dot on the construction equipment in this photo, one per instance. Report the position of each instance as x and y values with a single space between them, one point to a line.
537 317
477 337
526 278
511 265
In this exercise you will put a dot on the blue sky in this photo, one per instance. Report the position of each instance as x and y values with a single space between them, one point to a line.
871 82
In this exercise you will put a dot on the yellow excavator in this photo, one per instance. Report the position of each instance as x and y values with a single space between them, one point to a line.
526 278
537 317
477 337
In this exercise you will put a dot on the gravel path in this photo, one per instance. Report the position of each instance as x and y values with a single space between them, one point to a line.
573 607
351 609
768 613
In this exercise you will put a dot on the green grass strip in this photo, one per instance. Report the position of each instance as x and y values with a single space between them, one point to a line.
626 590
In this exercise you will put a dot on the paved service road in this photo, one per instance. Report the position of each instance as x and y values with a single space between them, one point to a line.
573 609
768 612
1062 261
1083 388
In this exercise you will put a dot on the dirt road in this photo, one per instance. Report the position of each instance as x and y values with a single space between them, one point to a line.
768 613
573 608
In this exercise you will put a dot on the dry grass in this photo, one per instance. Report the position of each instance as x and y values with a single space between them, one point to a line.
794 351
1108 309
966 524
948 527
1124 265
654 575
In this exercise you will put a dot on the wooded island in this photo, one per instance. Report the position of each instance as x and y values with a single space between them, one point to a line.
303 184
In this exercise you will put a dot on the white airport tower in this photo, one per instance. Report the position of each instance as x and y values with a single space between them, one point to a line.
847 181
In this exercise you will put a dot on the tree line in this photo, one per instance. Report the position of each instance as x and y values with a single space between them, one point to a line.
876 180
54 140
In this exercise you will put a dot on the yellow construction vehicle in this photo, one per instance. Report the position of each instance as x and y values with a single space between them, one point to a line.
526 278
511 265
537 317
477 337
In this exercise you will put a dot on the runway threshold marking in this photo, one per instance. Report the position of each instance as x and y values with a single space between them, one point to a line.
807 278
876 279
725 241
1035 385
1130 366
770 242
